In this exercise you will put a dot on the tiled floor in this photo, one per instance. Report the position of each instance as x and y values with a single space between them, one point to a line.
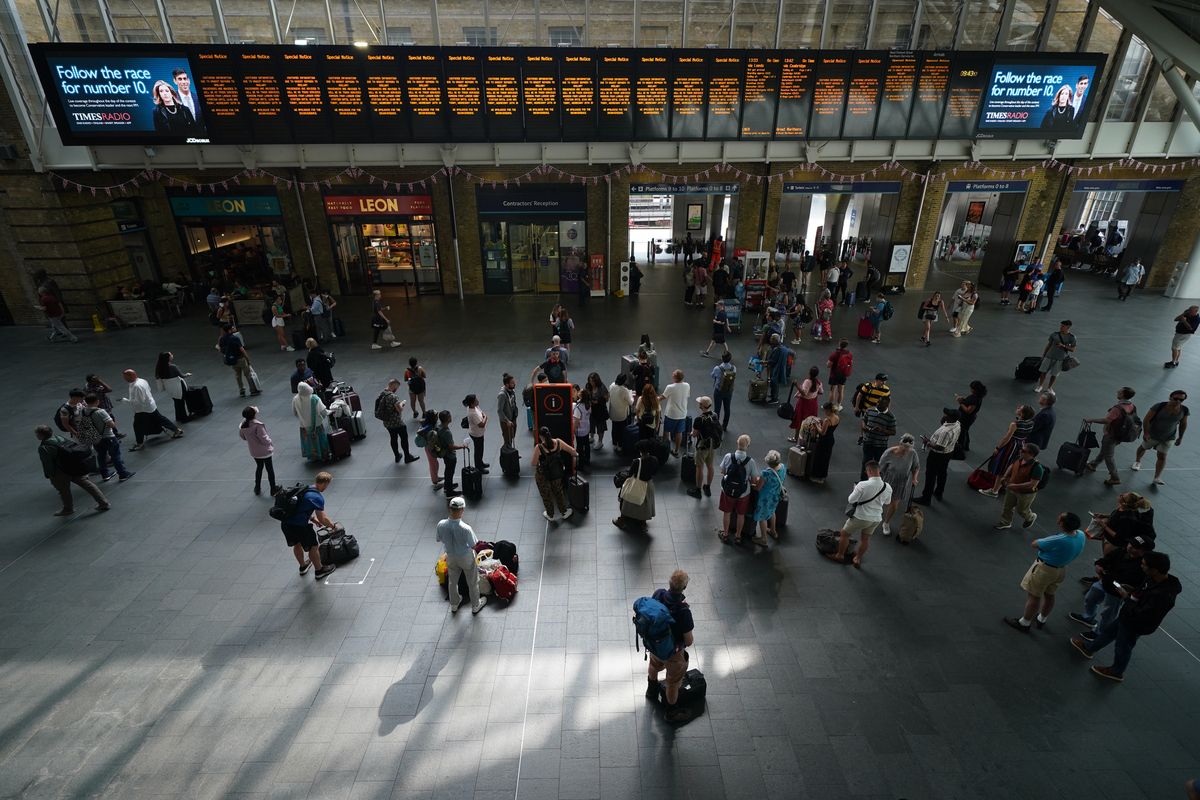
168 648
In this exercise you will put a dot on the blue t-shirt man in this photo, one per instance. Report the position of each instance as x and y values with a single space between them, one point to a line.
297 529
1061 549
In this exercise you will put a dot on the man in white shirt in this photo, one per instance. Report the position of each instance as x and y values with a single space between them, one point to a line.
864 513
1131 276
940 445
675 400
183 84
620 401
147 420
832 275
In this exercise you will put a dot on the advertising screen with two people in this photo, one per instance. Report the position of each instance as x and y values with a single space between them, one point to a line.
151 99
1039 100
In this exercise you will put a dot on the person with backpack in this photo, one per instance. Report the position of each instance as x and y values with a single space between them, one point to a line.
550 469
864 513
877 313
415 378
233 352
1165 425
1048 571
707 431
253 431
739 476
297 526
389 409
67 418
841 364
724 375
1020 484
98 429
1121 424
425 438
320 362
666 635
65 462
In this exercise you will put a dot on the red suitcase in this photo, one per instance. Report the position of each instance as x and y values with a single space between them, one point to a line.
354 401
865 329
339 444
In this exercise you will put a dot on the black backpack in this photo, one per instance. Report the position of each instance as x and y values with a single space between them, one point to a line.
735 481
381 405
231 348
74 458
64 408
709 430
287 500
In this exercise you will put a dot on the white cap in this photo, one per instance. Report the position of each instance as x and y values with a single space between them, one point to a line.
458 502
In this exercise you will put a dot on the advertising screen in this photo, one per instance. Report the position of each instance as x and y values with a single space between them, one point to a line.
1035 98
182 94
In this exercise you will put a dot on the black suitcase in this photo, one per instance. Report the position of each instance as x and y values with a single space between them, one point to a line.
1029 368
578 493
661 450
339 444
197 400
510 462
1072 457
687 467
758 390
629 439
472 482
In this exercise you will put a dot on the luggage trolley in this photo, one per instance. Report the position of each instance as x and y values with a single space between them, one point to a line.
733 313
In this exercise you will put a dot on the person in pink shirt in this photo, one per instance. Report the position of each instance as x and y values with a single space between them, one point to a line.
254 432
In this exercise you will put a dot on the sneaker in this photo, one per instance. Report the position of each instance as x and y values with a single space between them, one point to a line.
107 478
411 459
887 529
707 490
396 344
289 349
1028 523
1080 645
1088 636
989 492
304 569
1135 466
1001 526
325 571
567 514
104 507
1015 622
376 346
1169 365
454 607
126 477
549 517
1081 619
1038 390
694 493
1112 481
1159 482
475 609
64 512
256 393
136 447
705 354
177 435
1107 672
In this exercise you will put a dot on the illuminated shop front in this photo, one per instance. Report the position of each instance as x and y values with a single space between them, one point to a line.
238 236
383 240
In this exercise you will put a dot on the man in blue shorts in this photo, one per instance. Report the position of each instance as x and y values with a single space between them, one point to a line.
299 532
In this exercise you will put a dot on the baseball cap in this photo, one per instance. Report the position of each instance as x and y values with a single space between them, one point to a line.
881 376
458 502
1142 543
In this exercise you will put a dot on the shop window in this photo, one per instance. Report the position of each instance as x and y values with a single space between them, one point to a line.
1128 82
893 24
1025 29
1066 25
480 37
561 36
802 22
1162 100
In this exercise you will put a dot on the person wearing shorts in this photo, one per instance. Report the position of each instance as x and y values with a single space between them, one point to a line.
1060 345
706 430
1048 571
1163 426
837 378
298 531
674 401
676 666
1186 325
735 495
864 512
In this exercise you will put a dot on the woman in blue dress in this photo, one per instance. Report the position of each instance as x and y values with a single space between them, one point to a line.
770 492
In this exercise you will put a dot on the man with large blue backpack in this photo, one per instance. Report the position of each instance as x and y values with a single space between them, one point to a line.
664 626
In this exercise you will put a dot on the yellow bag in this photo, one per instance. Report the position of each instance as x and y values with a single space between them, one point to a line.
440 570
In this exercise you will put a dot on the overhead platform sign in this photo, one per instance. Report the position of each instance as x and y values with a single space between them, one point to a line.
299 94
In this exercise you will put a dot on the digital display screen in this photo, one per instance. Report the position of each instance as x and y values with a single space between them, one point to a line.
1038 98
278 94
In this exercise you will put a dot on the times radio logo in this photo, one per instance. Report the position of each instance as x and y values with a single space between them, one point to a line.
102 116
1006 116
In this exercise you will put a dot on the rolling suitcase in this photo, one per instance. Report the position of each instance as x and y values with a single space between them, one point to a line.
661 450
1073 457
627 363
865 329
472 476
797 463
197 400
687 465
629 439
578 493
1029 368
911 526
758 390
356 425
355 402
510 462
339 444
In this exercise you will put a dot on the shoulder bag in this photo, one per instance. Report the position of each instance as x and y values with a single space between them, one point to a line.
633 491
852 507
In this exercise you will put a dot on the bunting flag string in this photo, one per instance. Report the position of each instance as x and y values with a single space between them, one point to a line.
889 169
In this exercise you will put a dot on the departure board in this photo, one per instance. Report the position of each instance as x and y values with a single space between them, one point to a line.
896 98
796 77
279 94
687 94
968 79
464 96
760 95
577 73
502 96
651 120
615 71
829 96
539 96
862 95
933 79
725 72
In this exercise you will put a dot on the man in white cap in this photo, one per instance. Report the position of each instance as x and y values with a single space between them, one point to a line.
459 540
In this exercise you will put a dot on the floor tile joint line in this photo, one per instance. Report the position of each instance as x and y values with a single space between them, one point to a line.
537 608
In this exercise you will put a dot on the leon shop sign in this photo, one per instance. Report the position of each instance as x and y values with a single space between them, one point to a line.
367 205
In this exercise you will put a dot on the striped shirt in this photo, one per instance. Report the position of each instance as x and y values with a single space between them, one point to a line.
869 394
944 439
878 427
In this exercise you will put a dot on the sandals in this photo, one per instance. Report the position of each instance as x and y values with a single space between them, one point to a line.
724 537
773 533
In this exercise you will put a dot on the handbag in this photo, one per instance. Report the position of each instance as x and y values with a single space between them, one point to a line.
787 410
387 334
633 491
1069 363
852 507
980 478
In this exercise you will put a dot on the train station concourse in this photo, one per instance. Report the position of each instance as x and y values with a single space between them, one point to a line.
322 482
